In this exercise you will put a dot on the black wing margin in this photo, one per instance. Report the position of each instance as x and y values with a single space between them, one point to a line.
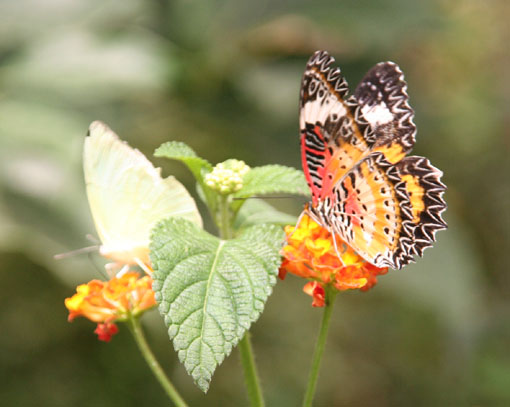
425 190
382 95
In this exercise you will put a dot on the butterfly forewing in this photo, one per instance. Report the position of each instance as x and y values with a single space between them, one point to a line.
333 138
385 206
127 195
382 97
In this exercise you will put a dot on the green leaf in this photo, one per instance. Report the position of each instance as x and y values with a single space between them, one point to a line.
209 290
199 167
257 211
270 179
177 150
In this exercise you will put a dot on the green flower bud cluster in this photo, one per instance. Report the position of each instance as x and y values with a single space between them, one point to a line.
227 177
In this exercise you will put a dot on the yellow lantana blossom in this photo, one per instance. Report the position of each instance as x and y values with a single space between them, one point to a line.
310 253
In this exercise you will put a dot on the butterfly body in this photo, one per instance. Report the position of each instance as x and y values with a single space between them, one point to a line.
385 205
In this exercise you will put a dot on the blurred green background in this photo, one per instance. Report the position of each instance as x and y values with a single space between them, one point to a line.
224 77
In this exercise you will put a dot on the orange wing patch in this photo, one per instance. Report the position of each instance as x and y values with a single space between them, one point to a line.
344 157
381 202
393 152
416 193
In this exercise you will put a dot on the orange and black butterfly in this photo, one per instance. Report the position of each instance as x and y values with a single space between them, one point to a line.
387 206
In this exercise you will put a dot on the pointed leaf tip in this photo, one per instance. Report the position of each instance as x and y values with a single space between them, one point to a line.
199 167
209 290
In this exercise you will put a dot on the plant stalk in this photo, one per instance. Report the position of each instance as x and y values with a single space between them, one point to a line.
168 387
251 378
224 221
319 348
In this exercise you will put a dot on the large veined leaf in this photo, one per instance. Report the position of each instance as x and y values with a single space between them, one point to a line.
209 290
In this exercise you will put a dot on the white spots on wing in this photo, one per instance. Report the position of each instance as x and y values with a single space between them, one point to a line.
377 114
319 110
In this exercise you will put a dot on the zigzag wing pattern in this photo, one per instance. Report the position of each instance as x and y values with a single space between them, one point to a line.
382 95
425 190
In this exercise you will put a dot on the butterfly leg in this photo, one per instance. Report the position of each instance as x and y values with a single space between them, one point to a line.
122 271
333 236
305 212
144 266
111 269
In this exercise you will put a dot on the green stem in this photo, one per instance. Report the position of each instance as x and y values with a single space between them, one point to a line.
251 377
319 348
224 221
171 391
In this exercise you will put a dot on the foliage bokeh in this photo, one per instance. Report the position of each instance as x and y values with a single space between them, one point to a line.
224 77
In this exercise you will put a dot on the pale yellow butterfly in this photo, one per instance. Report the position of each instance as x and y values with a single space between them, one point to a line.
128 196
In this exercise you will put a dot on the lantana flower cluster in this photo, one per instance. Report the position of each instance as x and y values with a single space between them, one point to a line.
310 253
107 302
227 177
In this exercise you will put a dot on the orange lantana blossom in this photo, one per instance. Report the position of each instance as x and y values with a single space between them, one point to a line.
107 302
310 253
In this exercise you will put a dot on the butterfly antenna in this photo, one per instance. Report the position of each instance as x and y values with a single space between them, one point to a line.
265 197
73 253
336 248
92 238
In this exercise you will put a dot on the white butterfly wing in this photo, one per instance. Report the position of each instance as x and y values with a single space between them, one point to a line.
128 196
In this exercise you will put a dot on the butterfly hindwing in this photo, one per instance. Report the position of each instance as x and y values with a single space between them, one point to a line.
425 190
371 211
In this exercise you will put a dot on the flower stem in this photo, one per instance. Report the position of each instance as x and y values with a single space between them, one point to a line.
171 391
319 348
224 221
251 378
